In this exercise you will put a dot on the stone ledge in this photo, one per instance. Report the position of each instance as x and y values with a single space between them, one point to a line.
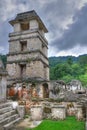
19 61
36 106
26 52
29 37
59 106
31 80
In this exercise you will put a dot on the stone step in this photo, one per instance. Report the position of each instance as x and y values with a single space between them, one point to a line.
7 114
6 109
3 105
9 119
9 125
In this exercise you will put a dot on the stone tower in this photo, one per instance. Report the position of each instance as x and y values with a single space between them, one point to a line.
28 48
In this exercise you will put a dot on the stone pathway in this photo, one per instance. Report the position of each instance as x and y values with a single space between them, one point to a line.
26 123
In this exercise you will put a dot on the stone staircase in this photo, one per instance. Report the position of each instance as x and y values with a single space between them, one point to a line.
8 116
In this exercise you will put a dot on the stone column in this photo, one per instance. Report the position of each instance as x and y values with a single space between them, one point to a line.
3 85
36 113
58 112
21 111
79 113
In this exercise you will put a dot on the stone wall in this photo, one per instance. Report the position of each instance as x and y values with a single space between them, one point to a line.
71 108
34 24
21 111
54 113
79 113
13 70
33 44
17 27
58 112
36 62
14 46
35 69
27 57
36 113
34 41
3 85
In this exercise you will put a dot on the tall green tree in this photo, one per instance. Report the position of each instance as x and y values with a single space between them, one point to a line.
83 79
69 61
61 70
83 60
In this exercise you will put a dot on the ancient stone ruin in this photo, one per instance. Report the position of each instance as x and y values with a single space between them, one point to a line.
27 61
27 58
3 82
29 89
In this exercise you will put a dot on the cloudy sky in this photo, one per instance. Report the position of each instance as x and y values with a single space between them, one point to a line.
66 21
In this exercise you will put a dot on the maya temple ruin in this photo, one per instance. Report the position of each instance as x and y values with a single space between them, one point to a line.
25 87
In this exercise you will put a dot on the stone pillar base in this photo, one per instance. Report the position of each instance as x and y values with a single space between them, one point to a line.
58 112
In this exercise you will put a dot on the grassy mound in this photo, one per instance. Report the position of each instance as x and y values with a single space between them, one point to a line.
69 124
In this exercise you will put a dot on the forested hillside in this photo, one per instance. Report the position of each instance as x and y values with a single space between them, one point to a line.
65 68
4 59
68 68
55 60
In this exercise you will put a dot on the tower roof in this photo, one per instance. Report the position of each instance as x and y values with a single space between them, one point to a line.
26 16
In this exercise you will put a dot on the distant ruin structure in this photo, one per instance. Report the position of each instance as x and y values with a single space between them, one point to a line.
26 82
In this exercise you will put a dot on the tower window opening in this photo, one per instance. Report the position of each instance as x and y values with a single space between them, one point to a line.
24 26
23 45
23 70
45 90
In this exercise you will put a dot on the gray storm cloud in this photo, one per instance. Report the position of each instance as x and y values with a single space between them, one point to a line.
76 34
56 14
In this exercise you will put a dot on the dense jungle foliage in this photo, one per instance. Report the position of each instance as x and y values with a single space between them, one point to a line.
68 68
65 68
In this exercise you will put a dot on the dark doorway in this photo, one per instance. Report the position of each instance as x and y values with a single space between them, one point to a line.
45 90
23 45
23 70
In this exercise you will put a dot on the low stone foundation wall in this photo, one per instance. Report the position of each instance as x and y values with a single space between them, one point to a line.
55 111
21 111
58 112
36 113
79 113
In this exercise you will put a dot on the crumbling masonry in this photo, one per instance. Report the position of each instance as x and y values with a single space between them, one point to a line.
28 48
27 60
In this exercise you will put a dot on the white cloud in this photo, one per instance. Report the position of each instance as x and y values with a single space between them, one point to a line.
1 49
81 3
56 14
77 50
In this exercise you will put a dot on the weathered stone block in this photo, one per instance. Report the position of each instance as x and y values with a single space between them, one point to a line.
36 113
21 111
58 112
79 113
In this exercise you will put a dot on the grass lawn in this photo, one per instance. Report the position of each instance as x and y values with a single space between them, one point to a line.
69 124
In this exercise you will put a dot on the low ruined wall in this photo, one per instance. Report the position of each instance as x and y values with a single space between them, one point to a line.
36 113
58 112
3 83
21 111
55 113
79 113
71 108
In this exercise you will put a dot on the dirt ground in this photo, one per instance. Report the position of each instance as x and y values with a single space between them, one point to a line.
26 123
